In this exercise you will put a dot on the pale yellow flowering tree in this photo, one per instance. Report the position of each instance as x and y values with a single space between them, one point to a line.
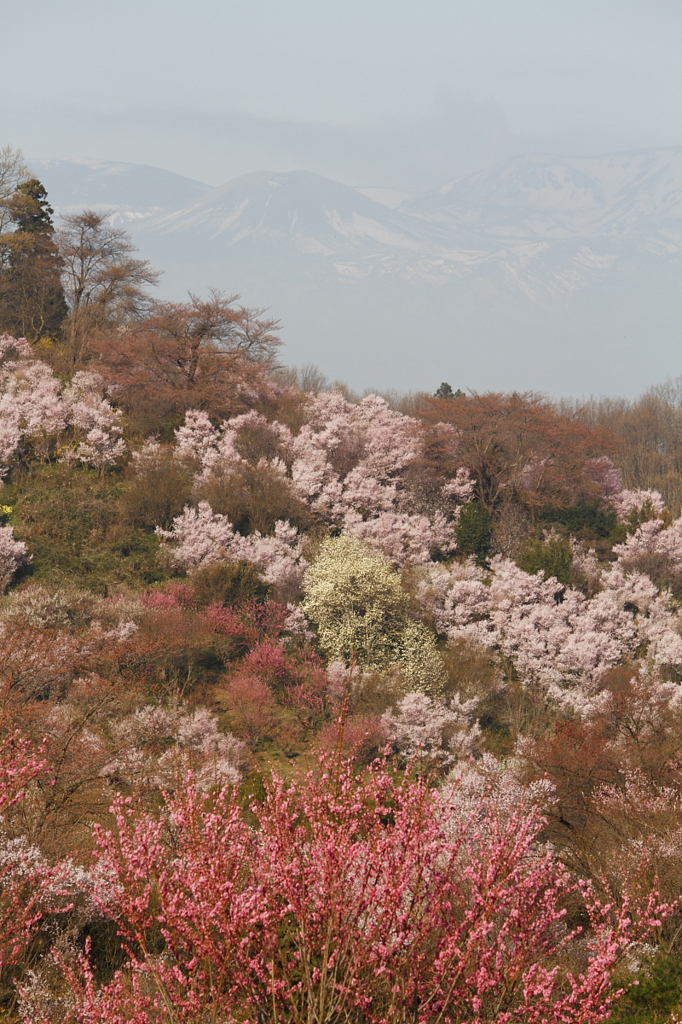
356 601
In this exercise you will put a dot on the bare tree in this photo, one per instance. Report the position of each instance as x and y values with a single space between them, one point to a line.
104 283
211 355
13 171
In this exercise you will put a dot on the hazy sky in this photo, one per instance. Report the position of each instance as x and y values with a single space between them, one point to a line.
369 91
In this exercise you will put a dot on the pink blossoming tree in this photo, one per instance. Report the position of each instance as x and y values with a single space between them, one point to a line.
347 898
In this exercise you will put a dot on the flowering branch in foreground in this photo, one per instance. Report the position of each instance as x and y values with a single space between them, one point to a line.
347 898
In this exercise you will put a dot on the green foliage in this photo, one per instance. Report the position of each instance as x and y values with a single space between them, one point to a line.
644 514
445 391
29 208
254 497
357 603
552 555
583 518
71 520
656 997
32 302
228 584
474 531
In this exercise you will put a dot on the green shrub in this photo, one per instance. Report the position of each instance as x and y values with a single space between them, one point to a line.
229 583
159 488
474 531
585 517
656 996
73 523
254 498
552 555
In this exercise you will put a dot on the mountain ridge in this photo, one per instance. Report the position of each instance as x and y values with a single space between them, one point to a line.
526 275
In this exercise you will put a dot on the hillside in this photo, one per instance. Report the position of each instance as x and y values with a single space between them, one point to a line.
256 636
317 700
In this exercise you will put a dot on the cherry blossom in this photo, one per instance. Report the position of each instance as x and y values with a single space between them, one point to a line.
201 537
402 537
637 502
12 349
552 634
607 477
430 731
31 409
652 538
144 756
346 463
94 420
38 415
13 554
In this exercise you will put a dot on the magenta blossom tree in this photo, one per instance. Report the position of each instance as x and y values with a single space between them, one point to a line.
343 898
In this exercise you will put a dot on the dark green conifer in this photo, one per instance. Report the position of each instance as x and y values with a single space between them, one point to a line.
32 303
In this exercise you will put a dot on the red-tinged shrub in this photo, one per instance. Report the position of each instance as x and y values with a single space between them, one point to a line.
177 646
229 622
297 677
270 616
269 661
519 444
25 879
175 595
246 623
236 625
360 737
307 691
347 898
616 779
251 705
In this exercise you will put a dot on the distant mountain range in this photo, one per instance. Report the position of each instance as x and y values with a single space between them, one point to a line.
561 274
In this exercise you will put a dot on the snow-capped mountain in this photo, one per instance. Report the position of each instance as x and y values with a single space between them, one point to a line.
128 191
619 196
307 212
552 273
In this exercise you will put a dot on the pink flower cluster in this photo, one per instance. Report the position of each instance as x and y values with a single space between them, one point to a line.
553 635
653 539
201 537
347 463
41 417
25 878
430 731
629 503
363 897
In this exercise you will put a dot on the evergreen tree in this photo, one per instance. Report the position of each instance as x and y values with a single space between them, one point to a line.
29 208
474 531
445 391
32 303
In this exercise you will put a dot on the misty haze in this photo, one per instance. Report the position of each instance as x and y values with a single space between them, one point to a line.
552 273
485 194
